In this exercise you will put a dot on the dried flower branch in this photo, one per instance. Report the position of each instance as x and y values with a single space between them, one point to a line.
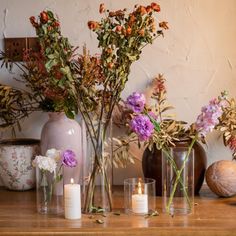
121 36
15 105
227 122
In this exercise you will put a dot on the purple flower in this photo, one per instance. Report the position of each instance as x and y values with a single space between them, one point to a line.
142 126
136 102
208 119
68 158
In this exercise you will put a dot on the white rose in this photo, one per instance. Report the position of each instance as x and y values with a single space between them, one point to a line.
54 153
45 163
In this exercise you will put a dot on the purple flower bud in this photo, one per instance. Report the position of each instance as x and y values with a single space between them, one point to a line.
136 102
142 126
68 158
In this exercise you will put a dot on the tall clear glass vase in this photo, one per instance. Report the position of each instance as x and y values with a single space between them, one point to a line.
178 180
97 181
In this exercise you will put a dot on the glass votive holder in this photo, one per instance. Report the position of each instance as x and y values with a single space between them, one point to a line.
139 196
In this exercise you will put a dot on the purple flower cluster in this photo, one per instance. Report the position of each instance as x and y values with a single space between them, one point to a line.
136 102
208 119
142 126
68 158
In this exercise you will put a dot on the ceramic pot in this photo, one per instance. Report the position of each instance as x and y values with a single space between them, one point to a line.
62 133
16 157
152 165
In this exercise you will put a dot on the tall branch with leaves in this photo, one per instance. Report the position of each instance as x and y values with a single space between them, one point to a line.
121 36
47 74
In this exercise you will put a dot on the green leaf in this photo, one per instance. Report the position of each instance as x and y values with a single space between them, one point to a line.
50 14
70 114
50 63
59 178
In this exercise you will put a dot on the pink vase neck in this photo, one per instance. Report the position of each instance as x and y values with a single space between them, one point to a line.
56 115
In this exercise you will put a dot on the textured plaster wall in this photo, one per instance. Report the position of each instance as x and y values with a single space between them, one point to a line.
197 55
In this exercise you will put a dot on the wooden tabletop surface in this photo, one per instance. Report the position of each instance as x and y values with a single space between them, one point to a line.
212 216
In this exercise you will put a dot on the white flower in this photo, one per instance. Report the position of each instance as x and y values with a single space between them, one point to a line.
45 163
54 153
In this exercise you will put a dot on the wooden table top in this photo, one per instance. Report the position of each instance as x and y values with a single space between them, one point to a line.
212 216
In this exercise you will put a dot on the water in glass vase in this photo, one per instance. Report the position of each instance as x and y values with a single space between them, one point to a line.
97 164
178 180
49 201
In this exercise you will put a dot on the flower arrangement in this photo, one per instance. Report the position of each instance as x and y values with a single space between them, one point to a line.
60 81
50 167
50 85
151 126
121 36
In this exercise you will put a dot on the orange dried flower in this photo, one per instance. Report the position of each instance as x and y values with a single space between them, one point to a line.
142 10
56 24
110 65
102 8
128 30
44 17
119 13
49 28
93 25
33 22
141 32
148 9
109 50
155 7
132 19
164 25
118 28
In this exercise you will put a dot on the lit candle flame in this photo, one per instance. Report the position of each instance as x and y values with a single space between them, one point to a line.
139 188
72 181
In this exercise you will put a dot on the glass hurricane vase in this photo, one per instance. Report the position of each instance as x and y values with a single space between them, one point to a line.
178 180
97 171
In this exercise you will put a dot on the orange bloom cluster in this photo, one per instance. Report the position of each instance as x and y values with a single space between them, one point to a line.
45 18
146 10
127 30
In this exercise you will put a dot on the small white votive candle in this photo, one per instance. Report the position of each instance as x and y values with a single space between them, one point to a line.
72 200
140 202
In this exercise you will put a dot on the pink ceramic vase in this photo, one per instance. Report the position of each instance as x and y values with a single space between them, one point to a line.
63 133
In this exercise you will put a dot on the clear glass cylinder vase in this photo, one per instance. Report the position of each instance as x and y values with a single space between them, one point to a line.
97 168
48 193
178 180
139 196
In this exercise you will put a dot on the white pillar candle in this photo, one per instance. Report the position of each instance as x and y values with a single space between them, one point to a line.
72 200
140 202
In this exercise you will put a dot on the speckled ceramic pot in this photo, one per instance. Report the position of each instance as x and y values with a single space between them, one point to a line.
16 155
